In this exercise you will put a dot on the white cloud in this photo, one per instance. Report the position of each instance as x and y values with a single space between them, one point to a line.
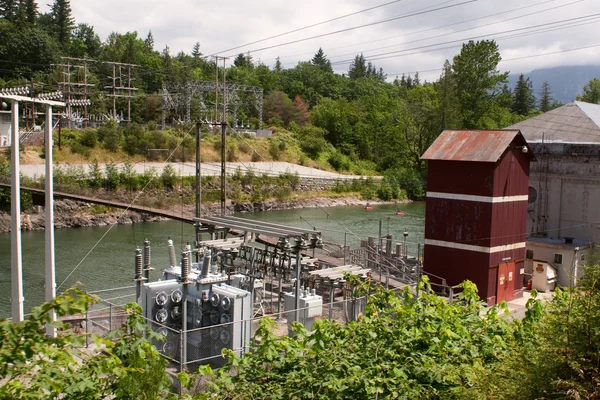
220 25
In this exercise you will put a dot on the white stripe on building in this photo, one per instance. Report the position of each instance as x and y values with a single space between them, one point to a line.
479 249
481 199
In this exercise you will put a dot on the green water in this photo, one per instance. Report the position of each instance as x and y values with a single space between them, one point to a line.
110 263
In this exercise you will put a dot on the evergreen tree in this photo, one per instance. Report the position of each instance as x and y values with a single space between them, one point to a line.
477 82
448 101
63 20
320 60
278 66
505 98
358 67
546 99
21 16
243 61
417 80
8 9
149 42
196 51
524 100
31 11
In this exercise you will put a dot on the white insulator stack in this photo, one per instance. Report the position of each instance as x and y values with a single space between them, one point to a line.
172 258
185 265
138 264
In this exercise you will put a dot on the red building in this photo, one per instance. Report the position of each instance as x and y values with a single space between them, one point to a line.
475 222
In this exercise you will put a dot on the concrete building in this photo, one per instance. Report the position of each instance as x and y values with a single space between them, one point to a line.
563 220
4 128
477 184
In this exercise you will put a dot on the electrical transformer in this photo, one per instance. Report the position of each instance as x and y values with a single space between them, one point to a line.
311 306
218 316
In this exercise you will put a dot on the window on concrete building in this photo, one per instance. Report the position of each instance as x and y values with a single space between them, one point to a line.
558 259
529 254
6 118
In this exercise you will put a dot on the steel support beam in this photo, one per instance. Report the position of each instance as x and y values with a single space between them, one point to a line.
49 224
17 298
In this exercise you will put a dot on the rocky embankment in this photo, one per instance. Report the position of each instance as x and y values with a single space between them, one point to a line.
72 214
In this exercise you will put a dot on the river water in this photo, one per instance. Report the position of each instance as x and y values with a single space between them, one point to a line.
109 263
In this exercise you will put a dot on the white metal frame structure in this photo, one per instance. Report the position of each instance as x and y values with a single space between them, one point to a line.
17 298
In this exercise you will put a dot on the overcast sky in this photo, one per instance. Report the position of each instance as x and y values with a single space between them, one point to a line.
223 24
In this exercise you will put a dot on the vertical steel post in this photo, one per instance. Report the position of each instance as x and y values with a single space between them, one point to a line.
15 219
223 168
184 324
198 177
331 297
49 224
298 273
345 246
181 365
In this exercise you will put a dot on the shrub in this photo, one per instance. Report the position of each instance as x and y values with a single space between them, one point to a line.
96 177
169 177
339 161
78 148
112 176
255 157
274 150
89 138
231 155
244 147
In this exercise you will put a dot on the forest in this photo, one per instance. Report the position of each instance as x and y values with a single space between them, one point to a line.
360 121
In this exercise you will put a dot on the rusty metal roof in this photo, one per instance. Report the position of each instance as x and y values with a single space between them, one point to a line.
480 146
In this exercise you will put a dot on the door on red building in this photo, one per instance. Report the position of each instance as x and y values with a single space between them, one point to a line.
506 282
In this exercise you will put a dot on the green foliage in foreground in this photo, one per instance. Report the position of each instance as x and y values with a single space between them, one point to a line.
408 346
34 366
411 346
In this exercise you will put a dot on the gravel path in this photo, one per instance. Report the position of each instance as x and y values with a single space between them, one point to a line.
214 169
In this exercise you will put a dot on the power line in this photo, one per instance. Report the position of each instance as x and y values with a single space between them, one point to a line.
428 29
466 29
307 27
362 26
391 54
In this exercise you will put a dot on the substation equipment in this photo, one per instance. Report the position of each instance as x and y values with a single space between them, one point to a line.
208 296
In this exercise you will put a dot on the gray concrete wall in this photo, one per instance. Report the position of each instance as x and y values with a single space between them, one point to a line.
567 182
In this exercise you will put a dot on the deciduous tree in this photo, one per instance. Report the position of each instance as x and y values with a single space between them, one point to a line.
591 92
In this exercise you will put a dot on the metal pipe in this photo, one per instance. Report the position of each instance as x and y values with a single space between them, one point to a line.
15 219
198 187
331 296
298 267
184 325
49 223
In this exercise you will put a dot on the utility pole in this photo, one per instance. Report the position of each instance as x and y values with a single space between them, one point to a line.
223 127
75 91
121 86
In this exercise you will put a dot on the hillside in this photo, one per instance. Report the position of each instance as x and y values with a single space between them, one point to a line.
566 82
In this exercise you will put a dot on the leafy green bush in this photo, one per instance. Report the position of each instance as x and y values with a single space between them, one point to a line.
34 365
339 161
78 148
274 150
407 345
